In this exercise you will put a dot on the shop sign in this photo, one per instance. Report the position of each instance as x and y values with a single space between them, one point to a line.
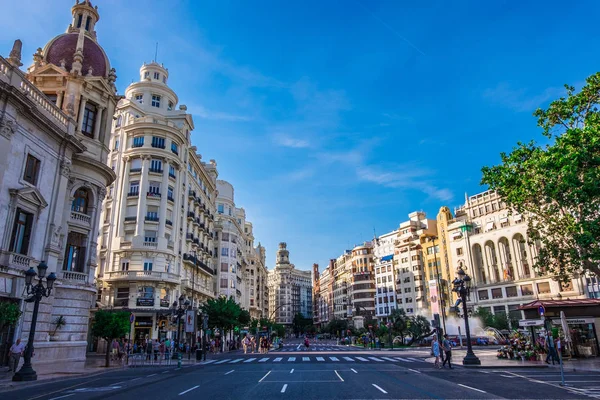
575 321
141 302
531 322
141 324
164 303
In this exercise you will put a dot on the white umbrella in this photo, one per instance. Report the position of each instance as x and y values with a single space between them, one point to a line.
565 328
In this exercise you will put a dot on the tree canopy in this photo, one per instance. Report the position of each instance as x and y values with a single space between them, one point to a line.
223 313
498 321
557 185
9 314
110 325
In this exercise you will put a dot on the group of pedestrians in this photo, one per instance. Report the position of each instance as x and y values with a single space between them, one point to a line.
249 345
443 352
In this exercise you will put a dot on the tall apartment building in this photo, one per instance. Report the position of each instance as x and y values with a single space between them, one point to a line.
491 245
362 291
255 293
316 294
409 261
342 286
324 295
157 232
290 290
385 297
54 136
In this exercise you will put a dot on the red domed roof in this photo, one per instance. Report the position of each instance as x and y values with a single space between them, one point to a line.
63 48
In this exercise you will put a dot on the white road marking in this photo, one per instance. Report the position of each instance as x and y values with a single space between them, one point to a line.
250 360
338 375
507 376
223 361
292 371
403 359
362 359
261 379
227 373
208 362
298 348
277 359
235 361
380 389
334 359
291 359
376 359
305 358
348 359
62 397
135 379
414 359
189 390
472 388
389 359
283 388
148 376
263 359
353 370
414 370
164 372
320 359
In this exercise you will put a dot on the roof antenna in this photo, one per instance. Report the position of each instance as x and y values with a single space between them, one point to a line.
156 53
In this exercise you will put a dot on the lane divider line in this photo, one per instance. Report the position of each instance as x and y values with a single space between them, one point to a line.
292 371
338 375
261 379
283 388
189 390
353 370
380 389
227 373
472 388
62 397
414 370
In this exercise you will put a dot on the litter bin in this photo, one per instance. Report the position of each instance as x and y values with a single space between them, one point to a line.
199 355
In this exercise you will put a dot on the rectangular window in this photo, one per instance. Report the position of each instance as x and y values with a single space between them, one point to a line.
172 171
147 266
75 252
156 75
158 142
150 236
483 295
224 267
543 287
223 284
19 242
170 193
32 169
170 107
526 290
459 251
155 101
89 120
174 148
124 265
134 188
154 188
224 251
220 208
497 293
225 237
138 141
156 165
511 291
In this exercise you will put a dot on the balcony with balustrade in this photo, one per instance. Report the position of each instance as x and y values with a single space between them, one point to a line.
143 276
81 220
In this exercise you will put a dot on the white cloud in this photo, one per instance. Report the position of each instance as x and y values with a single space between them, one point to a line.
285 140
204 113
520 100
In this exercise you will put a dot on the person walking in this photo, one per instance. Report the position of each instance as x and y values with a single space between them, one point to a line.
447 347
551 349
15 353
253 345
435 350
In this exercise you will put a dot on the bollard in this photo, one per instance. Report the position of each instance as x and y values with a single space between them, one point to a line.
179 360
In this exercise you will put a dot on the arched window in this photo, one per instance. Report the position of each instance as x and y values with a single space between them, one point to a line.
87 23
81 201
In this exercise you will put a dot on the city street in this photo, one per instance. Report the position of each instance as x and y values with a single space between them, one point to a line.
343 373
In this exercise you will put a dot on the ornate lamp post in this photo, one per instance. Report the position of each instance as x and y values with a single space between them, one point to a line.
178 312
36 293
462 286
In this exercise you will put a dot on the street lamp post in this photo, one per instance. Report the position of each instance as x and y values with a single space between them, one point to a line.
178 312
462 285
36 292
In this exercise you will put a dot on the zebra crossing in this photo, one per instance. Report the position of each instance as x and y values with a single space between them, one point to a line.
315 348
314 359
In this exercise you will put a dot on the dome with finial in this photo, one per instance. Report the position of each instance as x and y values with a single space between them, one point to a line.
77 50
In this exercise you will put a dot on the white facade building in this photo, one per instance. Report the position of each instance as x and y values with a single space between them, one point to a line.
385 298
157 235
491 245
54 138
290 290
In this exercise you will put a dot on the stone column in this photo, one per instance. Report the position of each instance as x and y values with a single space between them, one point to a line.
82 103
163 199
144 182
177 207
60 94
122 196
98 122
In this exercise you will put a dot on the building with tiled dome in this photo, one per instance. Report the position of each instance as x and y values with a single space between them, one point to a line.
55 139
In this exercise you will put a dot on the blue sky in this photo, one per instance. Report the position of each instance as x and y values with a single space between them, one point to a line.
333 119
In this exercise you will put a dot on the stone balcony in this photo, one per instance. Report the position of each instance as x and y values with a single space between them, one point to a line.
187 283
151 276
72 276
16 262
80 219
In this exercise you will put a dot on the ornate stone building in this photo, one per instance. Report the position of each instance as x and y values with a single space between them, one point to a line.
255 292
290 290
158 229
55 126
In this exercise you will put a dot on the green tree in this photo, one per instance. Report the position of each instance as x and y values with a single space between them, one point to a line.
497 321
399 321
223 314
9 314
556 184
278 329
244 318
337 327
300 324
418 328
110 325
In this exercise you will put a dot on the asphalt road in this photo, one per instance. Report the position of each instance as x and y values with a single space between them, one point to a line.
343 373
